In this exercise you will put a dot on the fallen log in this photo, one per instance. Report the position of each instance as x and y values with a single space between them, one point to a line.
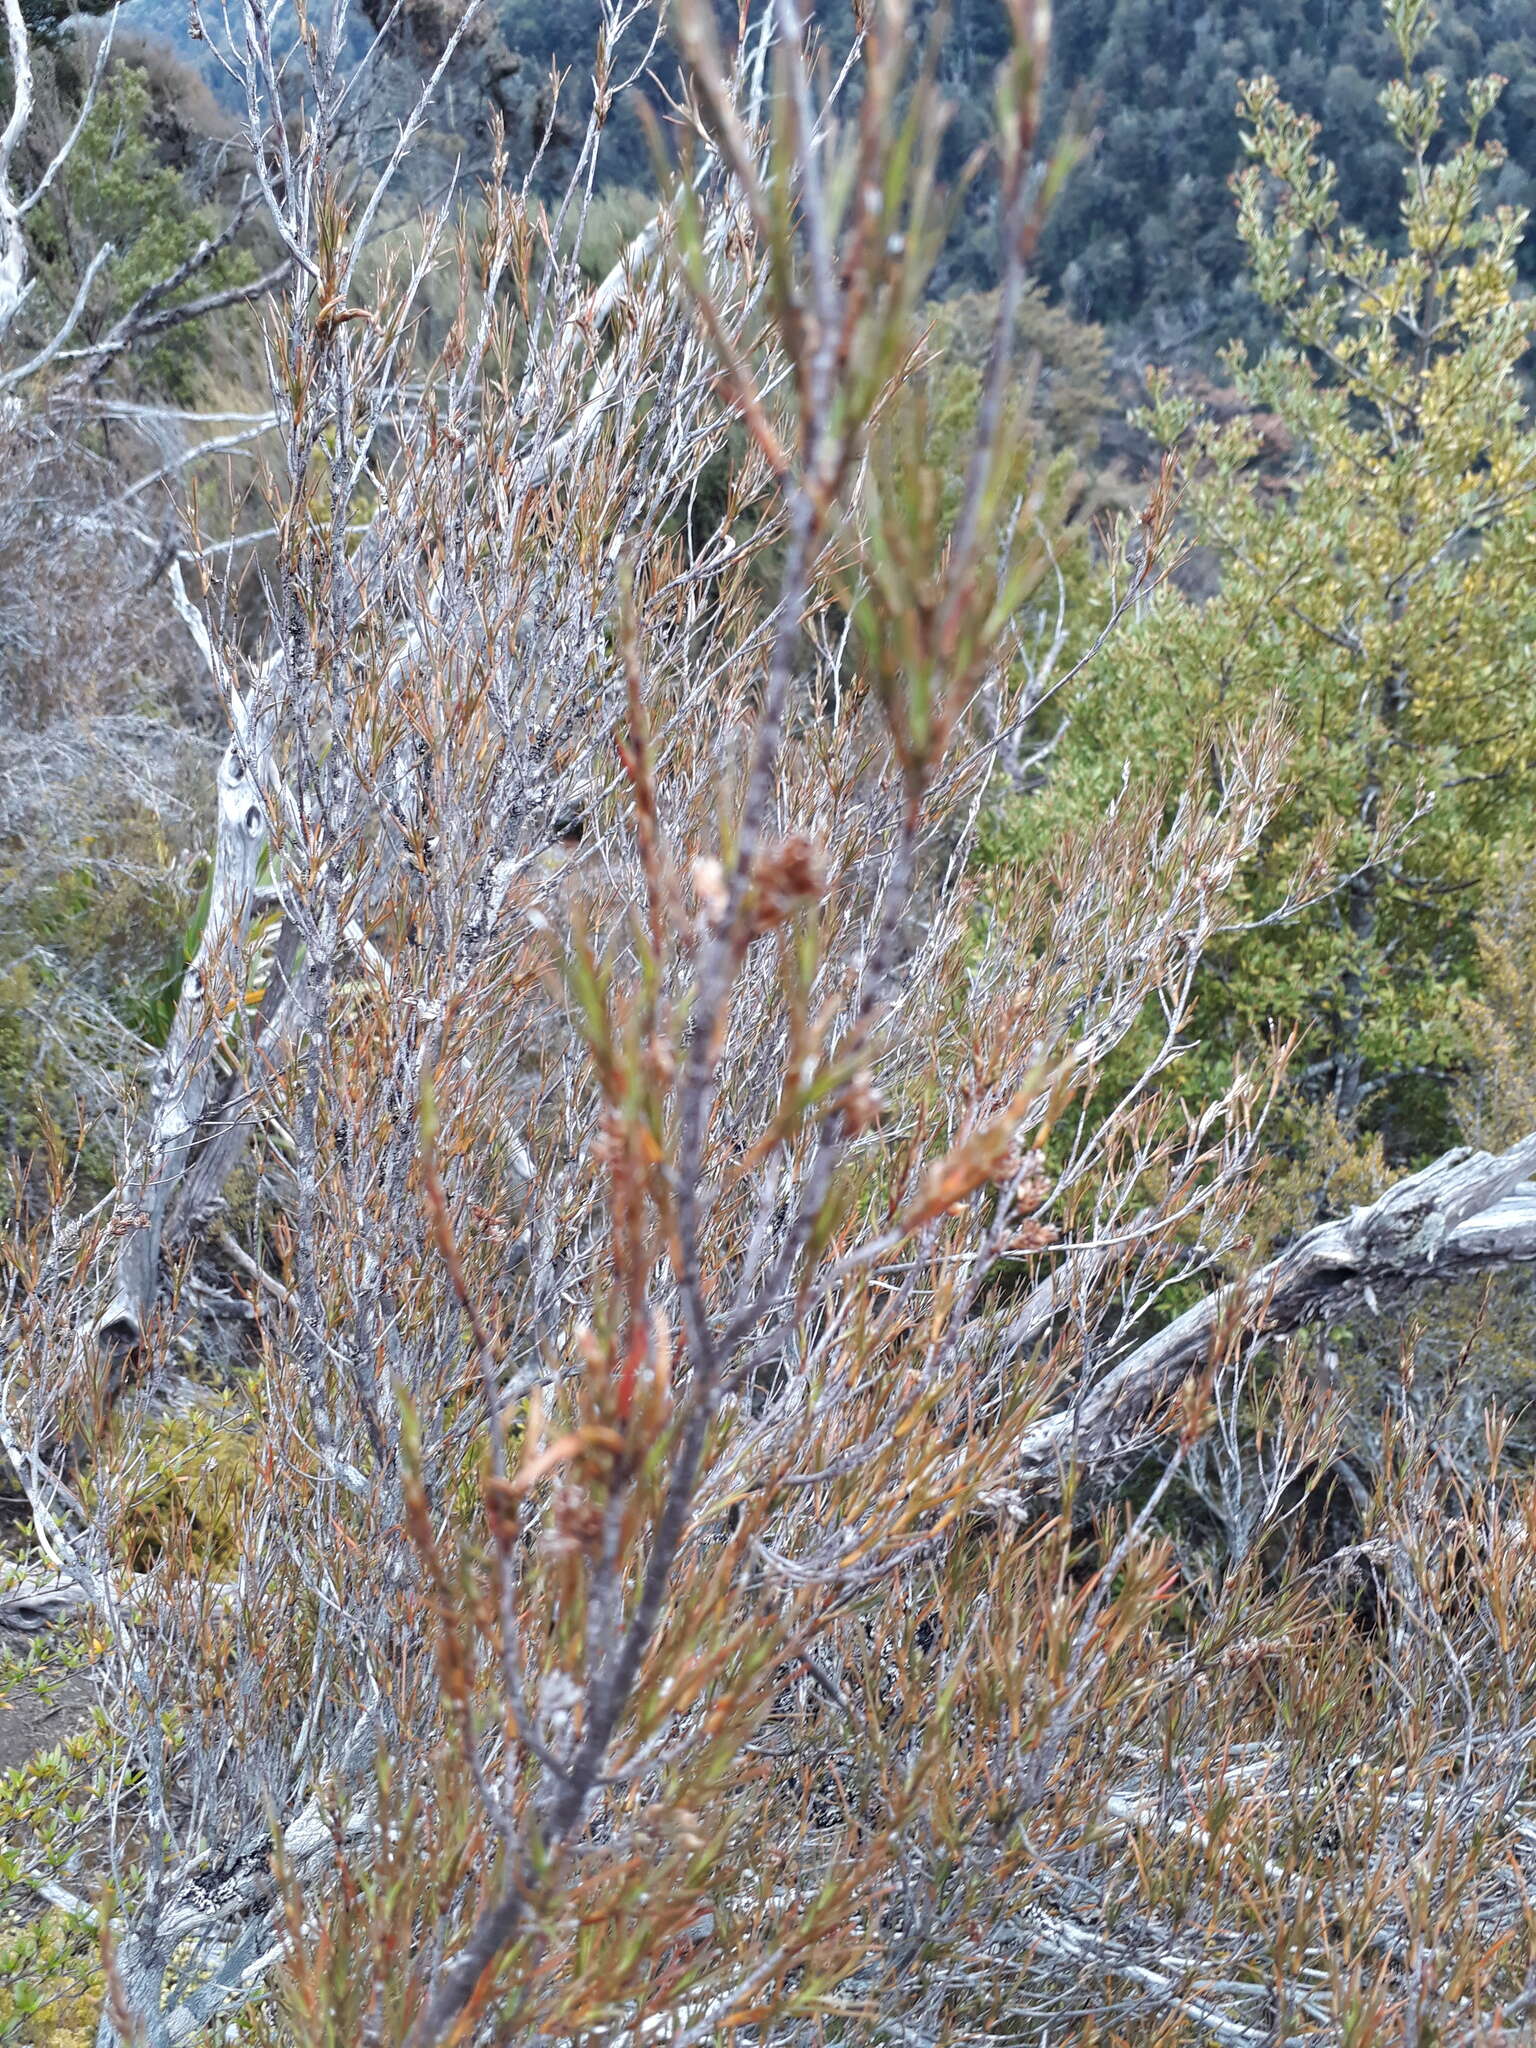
1470 1212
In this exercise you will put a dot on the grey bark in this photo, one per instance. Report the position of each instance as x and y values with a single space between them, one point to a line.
1470 1212
214 988
231 1117
13 248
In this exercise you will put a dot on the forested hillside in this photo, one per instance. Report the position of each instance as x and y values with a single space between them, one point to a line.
767 1025
1146 227
1143 237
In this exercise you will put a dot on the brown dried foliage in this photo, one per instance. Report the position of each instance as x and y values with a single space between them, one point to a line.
642 1631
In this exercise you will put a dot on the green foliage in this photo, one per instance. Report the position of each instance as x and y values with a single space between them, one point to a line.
51 1983
1496 1103
1062 371
617 214
1145 226
187 1485
50 1973
31 1075
1380 591
89 963
115 189
1055 406
179 1496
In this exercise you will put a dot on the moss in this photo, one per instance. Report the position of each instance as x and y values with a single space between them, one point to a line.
186 1486
51 1982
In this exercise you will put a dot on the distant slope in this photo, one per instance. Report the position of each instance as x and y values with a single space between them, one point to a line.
1145 228
1143 235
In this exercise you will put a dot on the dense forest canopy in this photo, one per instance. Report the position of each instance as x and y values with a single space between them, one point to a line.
1143 233
1142 237
767 942
1146 226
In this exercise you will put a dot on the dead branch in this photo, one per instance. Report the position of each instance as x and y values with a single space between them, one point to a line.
1470 1212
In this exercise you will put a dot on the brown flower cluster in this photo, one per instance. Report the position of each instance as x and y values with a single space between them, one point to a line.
785 877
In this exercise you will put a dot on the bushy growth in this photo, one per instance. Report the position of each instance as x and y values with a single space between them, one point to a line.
777 1353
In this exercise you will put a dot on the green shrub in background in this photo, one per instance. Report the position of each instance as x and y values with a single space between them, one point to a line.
50 1834
116 188
90 961
1380 590
186 1485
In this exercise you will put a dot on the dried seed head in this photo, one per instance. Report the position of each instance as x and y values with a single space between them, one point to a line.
1032 1236
578 1524
709 885
863 1104
607 1142
502 1507
1024 1172
785 876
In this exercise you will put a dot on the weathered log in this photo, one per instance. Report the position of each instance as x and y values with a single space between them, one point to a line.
231 1116
213 988
41 1600
1470 1212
